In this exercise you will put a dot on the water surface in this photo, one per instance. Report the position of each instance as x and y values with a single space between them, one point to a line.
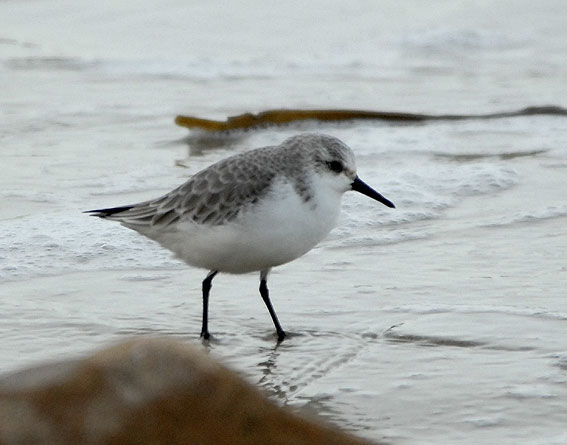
441 321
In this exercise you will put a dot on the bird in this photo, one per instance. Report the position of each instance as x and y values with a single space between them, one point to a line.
252 211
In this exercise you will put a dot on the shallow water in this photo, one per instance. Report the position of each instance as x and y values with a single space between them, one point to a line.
441 321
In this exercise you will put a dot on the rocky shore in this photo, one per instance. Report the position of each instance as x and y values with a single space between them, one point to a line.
148 392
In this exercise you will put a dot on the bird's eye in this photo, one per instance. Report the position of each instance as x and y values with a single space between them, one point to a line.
335 166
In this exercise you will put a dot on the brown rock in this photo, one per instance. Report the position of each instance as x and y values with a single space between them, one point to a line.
147 392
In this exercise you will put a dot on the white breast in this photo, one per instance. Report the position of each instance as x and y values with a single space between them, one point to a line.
277 229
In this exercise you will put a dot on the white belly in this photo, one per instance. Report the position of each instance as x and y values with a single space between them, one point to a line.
278 229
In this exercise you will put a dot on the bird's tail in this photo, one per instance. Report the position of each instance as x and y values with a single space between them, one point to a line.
105 213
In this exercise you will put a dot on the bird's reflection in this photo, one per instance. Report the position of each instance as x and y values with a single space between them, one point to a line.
268 369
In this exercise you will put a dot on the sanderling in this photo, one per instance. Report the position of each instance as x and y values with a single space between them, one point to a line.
252 211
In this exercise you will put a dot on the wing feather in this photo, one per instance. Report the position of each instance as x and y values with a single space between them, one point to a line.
213 196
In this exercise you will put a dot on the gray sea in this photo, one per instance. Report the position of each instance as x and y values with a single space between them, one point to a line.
442 321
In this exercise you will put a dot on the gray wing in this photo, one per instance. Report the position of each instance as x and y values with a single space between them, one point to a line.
213 196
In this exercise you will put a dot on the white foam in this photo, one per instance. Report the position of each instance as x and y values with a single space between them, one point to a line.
421 192
63 242
530 216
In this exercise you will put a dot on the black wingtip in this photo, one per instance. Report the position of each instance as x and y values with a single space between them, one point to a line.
103 213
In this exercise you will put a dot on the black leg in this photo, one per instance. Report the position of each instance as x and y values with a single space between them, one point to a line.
207 284
265 296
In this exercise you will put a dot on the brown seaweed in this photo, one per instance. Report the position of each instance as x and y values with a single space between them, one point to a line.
286 116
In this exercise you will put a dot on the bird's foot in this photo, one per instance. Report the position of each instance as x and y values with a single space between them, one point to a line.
281 336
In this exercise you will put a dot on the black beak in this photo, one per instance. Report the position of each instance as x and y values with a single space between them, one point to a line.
359 186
